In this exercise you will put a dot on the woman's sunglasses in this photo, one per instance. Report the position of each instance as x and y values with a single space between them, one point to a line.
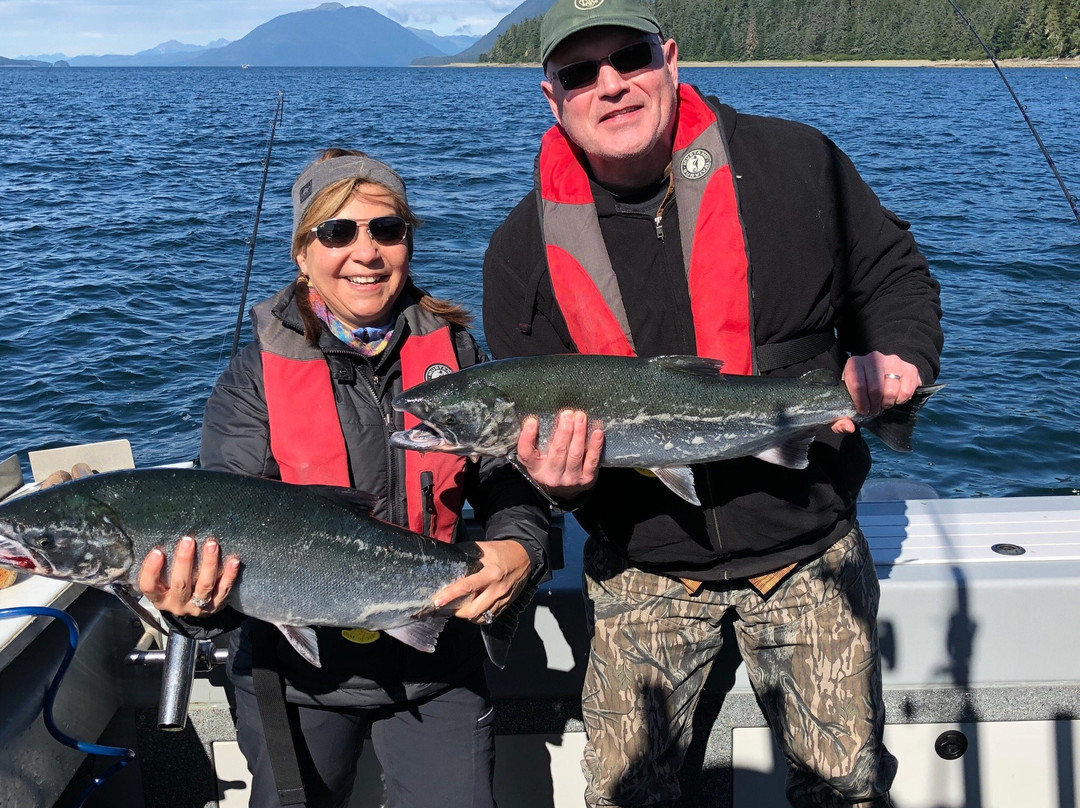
383 230
625 60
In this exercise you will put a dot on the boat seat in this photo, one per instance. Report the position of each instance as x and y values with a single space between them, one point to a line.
109 455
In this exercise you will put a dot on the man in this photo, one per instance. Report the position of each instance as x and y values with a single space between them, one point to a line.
663 222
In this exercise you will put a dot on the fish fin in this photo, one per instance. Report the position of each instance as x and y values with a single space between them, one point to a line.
420 634
792 452
360 502
679 479
895 425
819 376
691 365
512 457
127 597
498 635
304 642
472 552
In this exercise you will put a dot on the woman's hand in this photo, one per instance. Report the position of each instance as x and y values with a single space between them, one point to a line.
570 464
187 591
486 593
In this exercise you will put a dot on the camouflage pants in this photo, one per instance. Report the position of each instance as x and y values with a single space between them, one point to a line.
810 650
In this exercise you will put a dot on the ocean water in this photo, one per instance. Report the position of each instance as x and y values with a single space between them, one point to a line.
129 195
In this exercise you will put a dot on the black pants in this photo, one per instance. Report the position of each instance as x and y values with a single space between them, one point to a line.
438 753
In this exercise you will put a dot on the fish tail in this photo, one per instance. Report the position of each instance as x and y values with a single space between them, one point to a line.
895 425
498 635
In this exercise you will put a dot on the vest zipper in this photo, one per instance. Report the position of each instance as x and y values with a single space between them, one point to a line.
658 219
427 490
373 385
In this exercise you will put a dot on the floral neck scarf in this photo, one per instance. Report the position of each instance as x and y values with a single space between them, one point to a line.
367 341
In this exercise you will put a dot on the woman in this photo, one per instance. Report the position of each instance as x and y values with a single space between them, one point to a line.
309 402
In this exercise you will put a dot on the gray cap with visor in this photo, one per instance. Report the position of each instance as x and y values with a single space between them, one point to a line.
319 175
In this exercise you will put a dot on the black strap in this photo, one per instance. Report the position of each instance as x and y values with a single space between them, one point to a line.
270 696
781 354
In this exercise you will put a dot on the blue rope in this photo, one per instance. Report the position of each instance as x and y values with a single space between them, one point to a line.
125 755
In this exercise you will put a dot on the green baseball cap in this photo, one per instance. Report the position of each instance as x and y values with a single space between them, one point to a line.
567 17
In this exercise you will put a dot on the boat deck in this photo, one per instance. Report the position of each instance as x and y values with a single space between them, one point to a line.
977 624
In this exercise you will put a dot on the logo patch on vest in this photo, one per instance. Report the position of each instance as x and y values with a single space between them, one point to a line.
695 164
587 5
360 636
435 371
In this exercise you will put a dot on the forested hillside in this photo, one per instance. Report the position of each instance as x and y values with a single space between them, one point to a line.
743 30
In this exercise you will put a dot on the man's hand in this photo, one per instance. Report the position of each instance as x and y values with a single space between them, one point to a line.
876 382
570 465
486 593
178 593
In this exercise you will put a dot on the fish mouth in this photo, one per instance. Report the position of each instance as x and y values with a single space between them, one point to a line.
424 438
18 556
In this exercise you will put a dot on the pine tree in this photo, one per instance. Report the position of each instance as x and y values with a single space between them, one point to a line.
740 30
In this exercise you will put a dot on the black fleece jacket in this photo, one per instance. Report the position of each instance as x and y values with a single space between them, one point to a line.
824 254
236 437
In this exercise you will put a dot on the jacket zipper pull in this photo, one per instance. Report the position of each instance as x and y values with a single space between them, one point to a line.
659 222
427 488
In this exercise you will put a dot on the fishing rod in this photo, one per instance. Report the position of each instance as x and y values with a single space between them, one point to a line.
255 229
1069 197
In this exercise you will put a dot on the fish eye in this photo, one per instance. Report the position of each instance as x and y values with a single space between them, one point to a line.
449 420
46 542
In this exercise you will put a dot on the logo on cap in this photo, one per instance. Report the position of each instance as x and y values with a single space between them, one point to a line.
435 371
305 192
587 5
696 164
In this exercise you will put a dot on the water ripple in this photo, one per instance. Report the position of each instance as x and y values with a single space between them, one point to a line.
130 195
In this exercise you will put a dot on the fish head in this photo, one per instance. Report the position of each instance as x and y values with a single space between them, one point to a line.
458 414
59 535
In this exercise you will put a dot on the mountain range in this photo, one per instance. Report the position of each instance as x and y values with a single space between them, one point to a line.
525 11
329 35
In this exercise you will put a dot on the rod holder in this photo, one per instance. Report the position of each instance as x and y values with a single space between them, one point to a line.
180 658
176 677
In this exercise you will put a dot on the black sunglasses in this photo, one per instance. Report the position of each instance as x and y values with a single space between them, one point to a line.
384 230
625 60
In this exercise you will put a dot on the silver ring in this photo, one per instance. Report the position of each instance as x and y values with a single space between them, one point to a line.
896 376
200 602
488 617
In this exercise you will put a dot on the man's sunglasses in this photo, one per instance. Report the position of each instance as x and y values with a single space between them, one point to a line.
384 230
625 60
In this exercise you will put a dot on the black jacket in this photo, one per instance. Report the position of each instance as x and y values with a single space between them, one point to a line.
235 437
824 254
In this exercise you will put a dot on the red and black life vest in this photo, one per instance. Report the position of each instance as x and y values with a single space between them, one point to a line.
714 247
306 438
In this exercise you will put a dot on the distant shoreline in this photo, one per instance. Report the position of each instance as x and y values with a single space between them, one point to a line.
1073 61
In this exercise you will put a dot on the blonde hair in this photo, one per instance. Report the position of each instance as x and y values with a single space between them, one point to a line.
325 205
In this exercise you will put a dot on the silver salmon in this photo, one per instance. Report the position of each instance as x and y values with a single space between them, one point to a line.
310 555
661 414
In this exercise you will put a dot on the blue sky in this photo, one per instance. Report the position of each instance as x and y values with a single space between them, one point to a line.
95 27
